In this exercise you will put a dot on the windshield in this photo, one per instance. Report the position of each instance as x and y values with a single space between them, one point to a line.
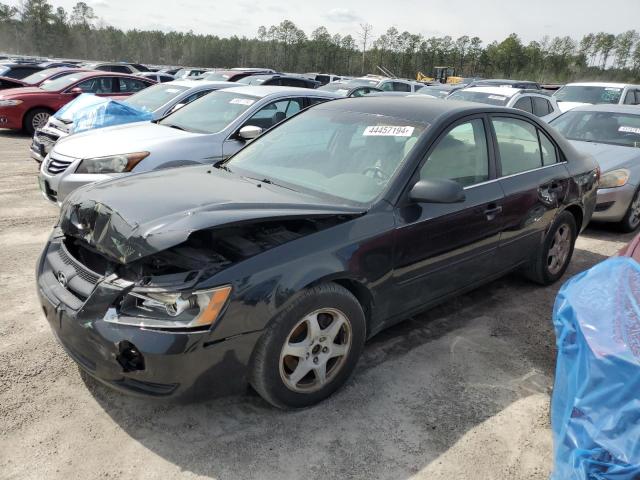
61 83
253 80
363 81
38 76
588 94
349 155
434 92
342 88
601 127
155 96
480 97
217 77
211 113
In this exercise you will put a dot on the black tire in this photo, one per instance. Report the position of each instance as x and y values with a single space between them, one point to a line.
540 268
32 117
268 370
631 220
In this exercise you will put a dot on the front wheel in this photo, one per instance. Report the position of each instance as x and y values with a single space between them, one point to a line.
35 119
310 349
631 219
555 253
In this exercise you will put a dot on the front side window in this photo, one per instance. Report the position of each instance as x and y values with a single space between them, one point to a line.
274 113
128 85
461 155
631 98
401 87
517 144
97 85
541 106
600 127
346 155
524 104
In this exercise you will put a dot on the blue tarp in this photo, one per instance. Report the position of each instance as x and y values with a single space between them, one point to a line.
90 111
595 410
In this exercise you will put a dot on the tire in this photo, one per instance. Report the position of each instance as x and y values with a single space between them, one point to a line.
35 119
631 220
291 345
542 268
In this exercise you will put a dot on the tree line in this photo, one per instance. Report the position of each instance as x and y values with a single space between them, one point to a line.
39 28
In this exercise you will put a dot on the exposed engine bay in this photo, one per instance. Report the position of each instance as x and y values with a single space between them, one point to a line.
209 250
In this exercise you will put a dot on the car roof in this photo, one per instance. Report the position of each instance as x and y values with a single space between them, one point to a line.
608 107
598 84
261 91
502 91
415 109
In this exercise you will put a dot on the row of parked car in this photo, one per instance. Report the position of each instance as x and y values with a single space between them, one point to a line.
303 221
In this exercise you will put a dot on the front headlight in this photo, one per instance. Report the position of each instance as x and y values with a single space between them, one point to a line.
10 103
112 163
614 178
171 310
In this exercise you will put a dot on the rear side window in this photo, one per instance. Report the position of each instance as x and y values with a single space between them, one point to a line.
541 106
401 87
522 147
130 85
524 104
632 98
461 155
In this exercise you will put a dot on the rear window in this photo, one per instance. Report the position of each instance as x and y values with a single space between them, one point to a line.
480 97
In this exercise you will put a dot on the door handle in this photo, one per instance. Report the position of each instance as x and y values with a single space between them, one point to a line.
492 211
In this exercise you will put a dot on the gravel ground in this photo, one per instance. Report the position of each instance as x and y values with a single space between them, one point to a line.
459 392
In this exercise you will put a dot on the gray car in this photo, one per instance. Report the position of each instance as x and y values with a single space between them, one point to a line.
205 131
611 134
160 100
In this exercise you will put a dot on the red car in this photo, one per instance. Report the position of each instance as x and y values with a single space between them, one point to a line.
29 108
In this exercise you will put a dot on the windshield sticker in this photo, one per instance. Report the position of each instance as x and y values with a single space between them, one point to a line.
497 97
612 89
629 130
242 101
387 131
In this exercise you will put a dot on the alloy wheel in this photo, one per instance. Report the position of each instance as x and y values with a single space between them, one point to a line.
39 120
634 212
315 350
559 249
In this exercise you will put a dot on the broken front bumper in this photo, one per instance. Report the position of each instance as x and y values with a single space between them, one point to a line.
132 359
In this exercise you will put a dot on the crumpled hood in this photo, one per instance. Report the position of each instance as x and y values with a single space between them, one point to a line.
128 138
130 218
609 157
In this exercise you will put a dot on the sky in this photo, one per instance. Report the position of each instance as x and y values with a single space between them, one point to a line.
488 19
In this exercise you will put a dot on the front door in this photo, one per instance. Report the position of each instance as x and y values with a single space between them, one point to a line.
442 248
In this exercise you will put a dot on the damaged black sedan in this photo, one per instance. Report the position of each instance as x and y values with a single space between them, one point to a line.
274 267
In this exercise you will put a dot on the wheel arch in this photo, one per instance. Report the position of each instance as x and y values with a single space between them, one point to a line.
578 215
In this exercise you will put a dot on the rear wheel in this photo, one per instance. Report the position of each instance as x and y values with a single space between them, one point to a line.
631 219
555 253
36 118
310 349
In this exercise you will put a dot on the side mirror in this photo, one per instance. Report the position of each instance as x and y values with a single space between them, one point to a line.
437 190
76 91
249 132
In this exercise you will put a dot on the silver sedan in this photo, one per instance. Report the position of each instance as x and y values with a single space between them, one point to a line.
207 130
611 134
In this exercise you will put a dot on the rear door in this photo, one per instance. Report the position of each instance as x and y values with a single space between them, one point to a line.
442 248
534 178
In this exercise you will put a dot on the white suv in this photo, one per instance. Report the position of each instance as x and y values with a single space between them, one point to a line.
576 94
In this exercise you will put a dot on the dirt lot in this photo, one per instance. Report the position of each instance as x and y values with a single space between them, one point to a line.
459 392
